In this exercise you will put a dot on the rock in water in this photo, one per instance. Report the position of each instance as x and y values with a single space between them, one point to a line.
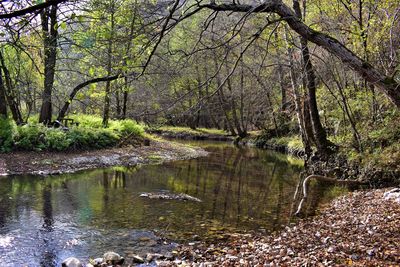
96 262
137 259
71 262
170 196
113 258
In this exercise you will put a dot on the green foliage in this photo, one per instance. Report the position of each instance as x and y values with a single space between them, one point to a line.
86 138
289 141
89 135
88 121
56 139
7 129
127 127
188 130
30 137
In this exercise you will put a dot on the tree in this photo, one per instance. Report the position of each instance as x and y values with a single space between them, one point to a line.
48 18
388 85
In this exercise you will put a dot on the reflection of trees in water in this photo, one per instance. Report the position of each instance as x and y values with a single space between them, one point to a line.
231 174
47 208
5 201
105 191
48 257
243 187
316 193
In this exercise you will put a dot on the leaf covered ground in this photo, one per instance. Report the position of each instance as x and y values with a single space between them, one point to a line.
358 229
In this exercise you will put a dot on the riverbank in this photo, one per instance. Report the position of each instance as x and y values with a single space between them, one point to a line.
51 163
358 229
185 133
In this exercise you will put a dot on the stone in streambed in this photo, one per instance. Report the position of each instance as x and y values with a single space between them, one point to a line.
137 259
113 258
97 262
153 256
71 262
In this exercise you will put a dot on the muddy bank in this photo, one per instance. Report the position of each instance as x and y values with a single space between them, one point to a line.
358 229
45 163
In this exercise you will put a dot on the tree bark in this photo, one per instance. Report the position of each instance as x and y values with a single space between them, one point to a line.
297 103
31 9
3 104
320 138
106 111
50 33
125 99
72 95
9 92
385 84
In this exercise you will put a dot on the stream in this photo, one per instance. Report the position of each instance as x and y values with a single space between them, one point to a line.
44 220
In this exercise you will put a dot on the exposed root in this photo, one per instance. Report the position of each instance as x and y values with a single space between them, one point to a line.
306 182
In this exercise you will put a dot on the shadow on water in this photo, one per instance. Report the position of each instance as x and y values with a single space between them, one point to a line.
46 219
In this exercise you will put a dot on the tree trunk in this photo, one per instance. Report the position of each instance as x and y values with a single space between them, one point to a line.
305 137
9 92
106 111
76 89
125 99
3 104
50 33
320 138
284 102
118 103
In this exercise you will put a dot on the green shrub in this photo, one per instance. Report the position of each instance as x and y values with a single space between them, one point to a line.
30 137
106 138
56 139
7 130
86 138
88 135
88 121
127 127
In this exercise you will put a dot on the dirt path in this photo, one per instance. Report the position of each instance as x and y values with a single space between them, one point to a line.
45 163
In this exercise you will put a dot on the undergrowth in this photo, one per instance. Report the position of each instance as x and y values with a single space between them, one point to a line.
88 135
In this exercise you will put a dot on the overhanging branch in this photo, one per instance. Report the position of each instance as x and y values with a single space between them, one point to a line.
30 9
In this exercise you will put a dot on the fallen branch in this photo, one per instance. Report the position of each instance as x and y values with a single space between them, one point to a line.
321 178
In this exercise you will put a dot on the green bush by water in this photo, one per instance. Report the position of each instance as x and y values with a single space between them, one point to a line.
7 129
88 135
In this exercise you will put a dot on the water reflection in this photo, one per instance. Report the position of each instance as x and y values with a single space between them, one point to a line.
87 213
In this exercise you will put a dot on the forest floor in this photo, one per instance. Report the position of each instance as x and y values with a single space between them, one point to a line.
357 229
47 163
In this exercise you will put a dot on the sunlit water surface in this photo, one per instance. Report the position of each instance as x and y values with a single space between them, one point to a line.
44 220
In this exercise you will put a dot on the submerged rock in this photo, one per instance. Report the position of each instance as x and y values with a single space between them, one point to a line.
113 258
71 262
170 196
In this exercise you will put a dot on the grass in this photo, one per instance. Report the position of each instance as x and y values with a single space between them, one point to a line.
188 130
293 141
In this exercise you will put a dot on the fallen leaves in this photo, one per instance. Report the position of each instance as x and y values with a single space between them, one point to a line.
359 229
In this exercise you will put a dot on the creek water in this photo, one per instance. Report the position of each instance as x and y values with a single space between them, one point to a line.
44 220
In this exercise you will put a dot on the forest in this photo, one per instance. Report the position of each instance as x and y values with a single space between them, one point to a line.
103 83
